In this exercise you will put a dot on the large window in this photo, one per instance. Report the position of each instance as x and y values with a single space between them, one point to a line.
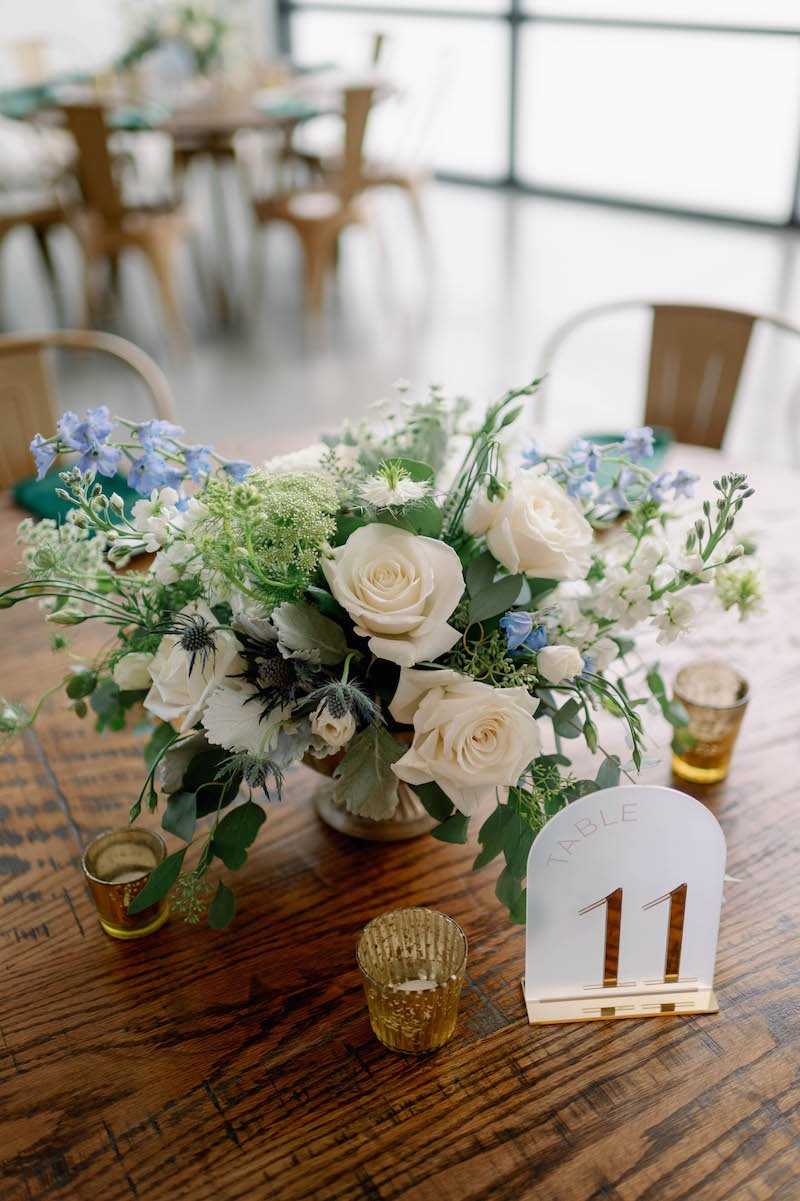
681 105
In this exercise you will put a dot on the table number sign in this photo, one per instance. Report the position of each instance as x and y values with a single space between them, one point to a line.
623 908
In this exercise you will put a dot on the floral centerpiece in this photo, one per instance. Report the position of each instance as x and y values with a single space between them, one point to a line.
199 29
412 596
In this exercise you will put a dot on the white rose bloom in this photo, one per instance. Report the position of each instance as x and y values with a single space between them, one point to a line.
557 663
473 740
535 528
399 588
177 694
232 719
132 672
335 732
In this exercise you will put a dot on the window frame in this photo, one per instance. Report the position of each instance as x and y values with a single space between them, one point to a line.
515 18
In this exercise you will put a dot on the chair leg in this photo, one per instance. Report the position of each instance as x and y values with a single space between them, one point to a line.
40 234
159 251
414 192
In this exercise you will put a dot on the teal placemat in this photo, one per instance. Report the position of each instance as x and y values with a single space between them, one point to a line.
662 441
39 496
137 116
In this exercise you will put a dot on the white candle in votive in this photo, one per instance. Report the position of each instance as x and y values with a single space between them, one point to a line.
420 985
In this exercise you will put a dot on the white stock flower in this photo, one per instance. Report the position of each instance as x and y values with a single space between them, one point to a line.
232 719
176 561
678 614
154 518
535 528
132 671
623 596
335 732
557 663
178 695
399 588
603 653
473 740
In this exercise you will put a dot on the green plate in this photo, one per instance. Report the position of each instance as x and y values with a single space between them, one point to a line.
39 496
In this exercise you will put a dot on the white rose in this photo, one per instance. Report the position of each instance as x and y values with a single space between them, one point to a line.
132 672
557 663
473 740
535 528
335 732
399 588
177 693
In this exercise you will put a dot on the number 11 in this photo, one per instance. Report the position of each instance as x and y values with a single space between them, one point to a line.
675 920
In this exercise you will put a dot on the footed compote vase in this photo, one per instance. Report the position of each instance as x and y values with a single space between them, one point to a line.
409 820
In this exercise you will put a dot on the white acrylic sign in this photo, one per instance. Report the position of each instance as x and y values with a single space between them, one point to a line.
623 907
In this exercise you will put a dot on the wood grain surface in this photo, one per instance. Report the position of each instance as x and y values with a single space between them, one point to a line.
240 1064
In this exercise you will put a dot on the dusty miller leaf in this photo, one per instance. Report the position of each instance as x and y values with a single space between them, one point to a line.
364 780
304 629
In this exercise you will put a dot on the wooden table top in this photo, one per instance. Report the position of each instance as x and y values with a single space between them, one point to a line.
241 1064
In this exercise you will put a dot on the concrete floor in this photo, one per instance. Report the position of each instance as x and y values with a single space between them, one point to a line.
473 314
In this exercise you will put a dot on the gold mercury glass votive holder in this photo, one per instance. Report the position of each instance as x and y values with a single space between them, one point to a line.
412 964
715 697
117 864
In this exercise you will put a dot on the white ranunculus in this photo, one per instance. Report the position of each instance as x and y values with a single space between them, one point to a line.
535 528
399 588
557 663
471 739
335 732
178 694
132 672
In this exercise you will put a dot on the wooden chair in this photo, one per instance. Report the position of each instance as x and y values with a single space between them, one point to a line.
696 359
107 225
27 391
318 215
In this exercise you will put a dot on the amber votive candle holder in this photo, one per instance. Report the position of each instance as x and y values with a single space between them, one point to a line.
117 865
412 964
715 696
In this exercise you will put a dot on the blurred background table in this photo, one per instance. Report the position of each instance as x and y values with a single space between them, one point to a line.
219 1066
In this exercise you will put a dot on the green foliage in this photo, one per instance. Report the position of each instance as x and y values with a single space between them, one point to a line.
364 780
110 704
496 598
673 711
303 628
190 896
222 909
160 882
565 720
486 659
82 683
609 774
453 829
180 815
162 737
434 800
236 833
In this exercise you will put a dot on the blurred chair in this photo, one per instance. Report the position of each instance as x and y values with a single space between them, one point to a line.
107 225
696 359
318 215
35 189
27 389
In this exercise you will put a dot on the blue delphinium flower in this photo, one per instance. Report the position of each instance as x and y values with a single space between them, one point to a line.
517 627
536 639
588 665
586 454
98 457
579 487
79 433
533 456
152 434
197 461
683 484
152 471
657 489
44 453
237 469
638 444
615 495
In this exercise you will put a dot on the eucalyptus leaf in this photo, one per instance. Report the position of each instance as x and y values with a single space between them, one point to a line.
434 800
236 833
364 781
480 573
157 743
160 882
491 835
180 815
564 721
82 683
452 830
609 773
496 598
222 909
303 628
509 890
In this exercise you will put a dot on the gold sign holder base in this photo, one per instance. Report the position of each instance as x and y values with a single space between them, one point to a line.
611 1007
